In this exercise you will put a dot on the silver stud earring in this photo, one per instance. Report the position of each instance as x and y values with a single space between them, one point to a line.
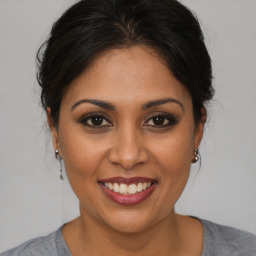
58 157
196 155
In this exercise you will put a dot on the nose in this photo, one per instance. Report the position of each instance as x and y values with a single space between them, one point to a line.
128 150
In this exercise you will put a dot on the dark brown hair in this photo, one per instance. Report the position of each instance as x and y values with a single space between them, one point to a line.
92 26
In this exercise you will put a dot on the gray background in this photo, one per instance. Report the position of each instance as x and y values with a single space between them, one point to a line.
34 202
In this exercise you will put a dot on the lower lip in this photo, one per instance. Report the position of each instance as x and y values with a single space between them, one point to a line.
128 199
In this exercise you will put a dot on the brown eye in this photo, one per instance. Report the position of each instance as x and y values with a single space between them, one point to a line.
95 120
158 120
161 120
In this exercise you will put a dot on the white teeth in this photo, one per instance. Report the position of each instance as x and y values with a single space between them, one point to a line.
116 187
110 186
132 189
139 187
125 189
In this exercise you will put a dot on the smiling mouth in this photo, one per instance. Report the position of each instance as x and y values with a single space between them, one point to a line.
124 189
128 191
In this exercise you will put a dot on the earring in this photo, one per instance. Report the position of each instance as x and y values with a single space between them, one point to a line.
58 157
196 155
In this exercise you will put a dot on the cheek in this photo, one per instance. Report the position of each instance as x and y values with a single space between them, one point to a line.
82 157
82 153
174 151
173 156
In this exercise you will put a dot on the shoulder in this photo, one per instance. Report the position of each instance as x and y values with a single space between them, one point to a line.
41 246
224 240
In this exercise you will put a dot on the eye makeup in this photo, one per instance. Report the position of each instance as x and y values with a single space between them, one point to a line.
161 120
95 120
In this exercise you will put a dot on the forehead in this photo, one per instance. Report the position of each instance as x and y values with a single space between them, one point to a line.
133 74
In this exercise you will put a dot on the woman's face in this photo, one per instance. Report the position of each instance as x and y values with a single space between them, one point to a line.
126 134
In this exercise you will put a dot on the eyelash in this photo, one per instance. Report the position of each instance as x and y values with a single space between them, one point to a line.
84 120
170 119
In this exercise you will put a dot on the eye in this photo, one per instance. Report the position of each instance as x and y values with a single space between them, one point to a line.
161 120
95 120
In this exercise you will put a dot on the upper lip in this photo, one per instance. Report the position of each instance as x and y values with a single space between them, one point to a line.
128 181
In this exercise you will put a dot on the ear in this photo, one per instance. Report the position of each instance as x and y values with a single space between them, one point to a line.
53 129
199 129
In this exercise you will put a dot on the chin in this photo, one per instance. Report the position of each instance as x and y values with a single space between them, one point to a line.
131 220
129 224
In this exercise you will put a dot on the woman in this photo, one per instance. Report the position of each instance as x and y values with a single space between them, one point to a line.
124 85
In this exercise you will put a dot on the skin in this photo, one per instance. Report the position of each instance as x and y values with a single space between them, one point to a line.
128 143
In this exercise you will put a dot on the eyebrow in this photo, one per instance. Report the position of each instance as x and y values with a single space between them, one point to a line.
110 106
100 103
158 102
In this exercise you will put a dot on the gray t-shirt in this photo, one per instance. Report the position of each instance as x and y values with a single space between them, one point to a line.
218 241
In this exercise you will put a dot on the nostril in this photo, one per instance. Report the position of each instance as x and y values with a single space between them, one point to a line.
128 149
127 163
